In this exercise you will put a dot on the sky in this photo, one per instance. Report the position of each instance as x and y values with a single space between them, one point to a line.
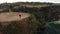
12 1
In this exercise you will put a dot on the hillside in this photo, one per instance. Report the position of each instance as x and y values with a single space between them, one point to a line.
41 13
13 23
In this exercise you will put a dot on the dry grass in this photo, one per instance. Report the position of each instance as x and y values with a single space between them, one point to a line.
12 16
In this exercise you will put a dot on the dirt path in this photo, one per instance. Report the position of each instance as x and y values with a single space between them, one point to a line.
12 16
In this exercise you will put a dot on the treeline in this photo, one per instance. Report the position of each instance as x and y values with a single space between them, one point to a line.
5 5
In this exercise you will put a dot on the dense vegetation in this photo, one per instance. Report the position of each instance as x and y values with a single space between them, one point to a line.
41 15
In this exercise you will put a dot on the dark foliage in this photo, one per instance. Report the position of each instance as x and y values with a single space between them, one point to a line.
43 14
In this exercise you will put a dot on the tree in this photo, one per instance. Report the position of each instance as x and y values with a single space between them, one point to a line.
10 8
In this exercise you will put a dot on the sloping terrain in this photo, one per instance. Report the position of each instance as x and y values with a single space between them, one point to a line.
13 23
11 16
42 15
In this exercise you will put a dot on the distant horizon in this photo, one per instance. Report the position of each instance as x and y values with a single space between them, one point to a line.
17 2
14 1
